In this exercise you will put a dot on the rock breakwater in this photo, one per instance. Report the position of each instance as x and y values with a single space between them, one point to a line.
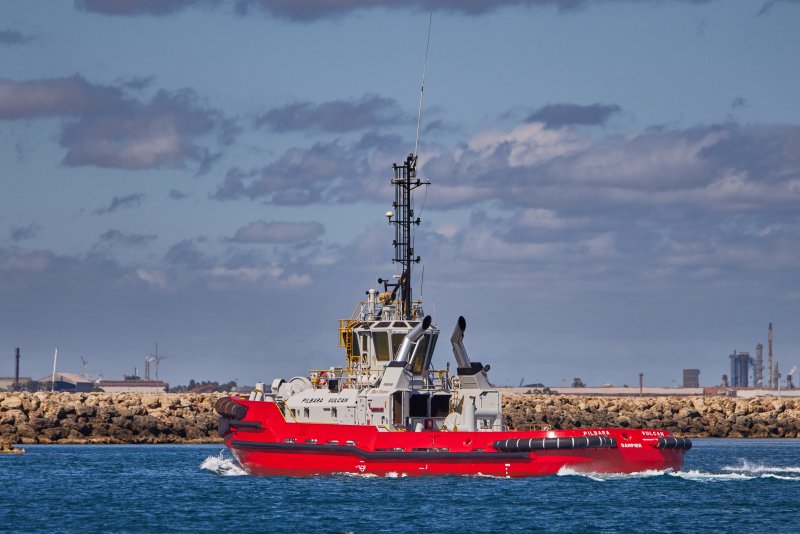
71 418
701 417
30 418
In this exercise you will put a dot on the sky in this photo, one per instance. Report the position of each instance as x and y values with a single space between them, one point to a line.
615 184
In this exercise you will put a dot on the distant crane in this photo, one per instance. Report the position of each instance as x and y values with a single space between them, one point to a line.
152 358
86 375
520 382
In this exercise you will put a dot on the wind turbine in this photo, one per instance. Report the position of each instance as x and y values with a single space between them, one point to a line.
156 359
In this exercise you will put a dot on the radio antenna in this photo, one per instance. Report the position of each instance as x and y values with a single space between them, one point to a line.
419 115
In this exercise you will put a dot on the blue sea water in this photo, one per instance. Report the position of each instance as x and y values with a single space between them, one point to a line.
726 486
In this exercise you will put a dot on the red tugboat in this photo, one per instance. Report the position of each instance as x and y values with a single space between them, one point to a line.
388 412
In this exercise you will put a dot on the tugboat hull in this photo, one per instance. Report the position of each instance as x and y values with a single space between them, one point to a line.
266 444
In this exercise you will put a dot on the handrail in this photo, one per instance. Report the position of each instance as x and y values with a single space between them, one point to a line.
347 379
285 407
398 315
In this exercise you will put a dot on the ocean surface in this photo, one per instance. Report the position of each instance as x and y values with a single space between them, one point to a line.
730 485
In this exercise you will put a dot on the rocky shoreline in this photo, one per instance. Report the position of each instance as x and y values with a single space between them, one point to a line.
101 418
694 417
104 418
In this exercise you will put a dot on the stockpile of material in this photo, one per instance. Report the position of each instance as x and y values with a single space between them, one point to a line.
108 418
720 417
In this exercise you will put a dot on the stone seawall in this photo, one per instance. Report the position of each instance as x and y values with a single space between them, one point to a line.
30 418
189 418
701 417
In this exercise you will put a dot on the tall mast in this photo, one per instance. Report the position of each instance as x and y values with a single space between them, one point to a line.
422 89
405 181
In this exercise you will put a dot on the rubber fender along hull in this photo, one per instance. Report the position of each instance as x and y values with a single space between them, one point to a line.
230 409
554 444
674 443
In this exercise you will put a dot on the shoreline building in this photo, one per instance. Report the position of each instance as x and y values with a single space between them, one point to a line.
691 378
68 382
133 386
7 382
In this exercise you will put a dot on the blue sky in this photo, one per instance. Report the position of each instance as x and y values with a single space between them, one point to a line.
616 184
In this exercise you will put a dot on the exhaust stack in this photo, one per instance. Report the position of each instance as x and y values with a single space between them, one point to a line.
458 346
412 337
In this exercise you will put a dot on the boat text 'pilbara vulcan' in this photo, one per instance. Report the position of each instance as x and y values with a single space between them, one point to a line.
389 412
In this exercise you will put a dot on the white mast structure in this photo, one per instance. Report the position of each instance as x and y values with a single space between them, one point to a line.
53 381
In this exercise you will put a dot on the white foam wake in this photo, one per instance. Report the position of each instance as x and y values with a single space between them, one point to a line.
602 477
354 475
223 466
749 472
760 468
702 477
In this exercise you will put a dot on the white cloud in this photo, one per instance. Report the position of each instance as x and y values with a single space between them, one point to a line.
156 279
26 261
447 229
548 220
529 144
242 274
297 280
486 245
278 232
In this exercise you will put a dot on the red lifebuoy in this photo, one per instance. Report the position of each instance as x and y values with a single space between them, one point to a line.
322 381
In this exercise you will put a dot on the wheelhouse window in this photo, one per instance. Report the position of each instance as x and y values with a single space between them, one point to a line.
350 340
364 342
397 340
420 359
381 341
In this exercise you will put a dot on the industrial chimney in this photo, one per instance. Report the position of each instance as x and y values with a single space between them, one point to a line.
770 358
